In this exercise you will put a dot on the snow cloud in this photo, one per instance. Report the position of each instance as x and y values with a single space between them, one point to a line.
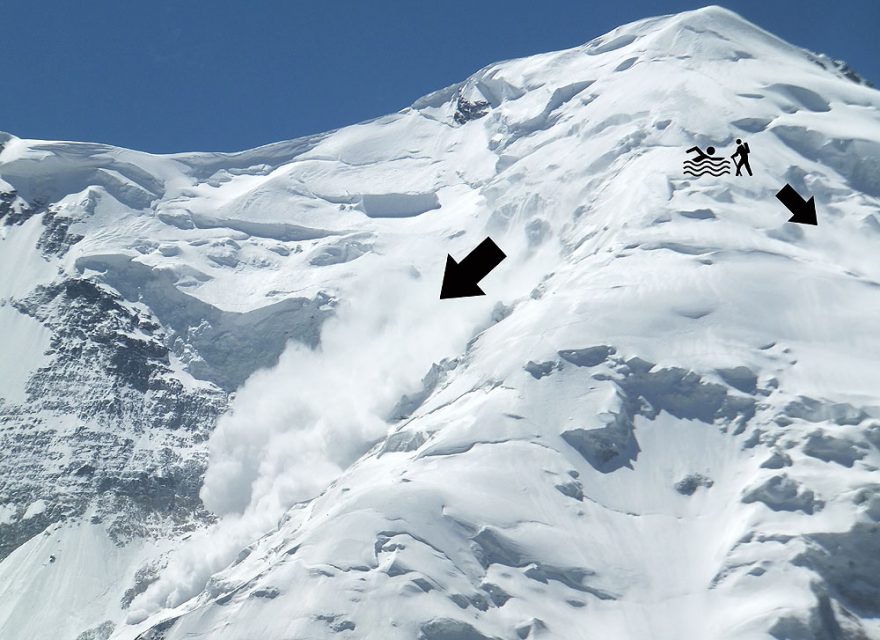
292 429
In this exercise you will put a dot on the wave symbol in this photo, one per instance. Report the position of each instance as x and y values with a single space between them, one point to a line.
702 166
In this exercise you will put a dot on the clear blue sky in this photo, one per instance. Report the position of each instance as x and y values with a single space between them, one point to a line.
180 75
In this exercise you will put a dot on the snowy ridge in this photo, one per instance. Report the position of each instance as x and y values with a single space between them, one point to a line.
661 422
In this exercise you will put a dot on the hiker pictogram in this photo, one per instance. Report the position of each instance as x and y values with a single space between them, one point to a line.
707 162
742 150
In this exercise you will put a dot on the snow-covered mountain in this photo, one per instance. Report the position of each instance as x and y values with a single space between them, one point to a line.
234 407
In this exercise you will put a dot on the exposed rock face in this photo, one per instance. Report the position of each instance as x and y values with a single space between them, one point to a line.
466 110
688 485
113 424
79 437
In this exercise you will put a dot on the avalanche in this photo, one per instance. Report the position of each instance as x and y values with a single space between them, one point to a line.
244 412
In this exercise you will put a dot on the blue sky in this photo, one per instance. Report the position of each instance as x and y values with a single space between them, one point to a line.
180 75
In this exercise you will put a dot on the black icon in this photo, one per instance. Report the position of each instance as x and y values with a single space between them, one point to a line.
460 278
803 211
742 150
706 162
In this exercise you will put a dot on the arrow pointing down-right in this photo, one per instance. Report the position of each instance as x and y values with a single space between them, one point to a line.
803 211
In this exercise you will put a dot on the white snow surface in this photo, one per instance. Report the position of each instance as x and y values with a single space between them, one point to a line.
465 511
23 343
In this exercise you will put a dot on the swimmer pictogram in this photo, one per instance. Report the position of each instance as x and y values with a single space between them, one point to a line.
706 162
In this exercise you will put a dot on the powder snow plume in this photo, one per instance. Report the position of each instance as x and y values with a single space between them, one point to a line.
294 428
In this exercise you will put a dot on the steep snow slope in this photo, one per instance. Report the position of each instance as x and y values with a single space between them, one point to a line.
661 422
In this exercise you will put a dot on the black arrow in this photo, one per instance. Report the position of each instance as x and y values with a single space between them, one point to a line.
803 211
460 278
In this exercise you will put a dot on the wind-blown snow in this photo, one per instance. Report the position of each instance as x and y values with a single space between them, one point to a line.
289 435
661 422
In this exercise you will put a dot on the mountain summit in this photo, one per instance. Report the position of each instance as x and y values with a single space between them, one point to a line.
233 405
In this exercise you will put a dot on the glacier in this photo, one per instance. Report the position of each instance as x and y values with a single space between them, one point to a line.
233 405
